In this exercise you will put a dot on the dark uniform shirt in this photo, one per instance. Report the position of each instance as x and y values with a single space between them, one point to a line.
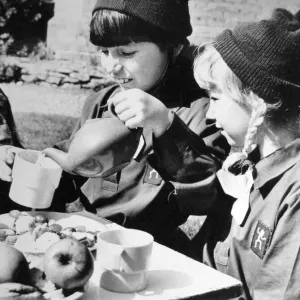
262 252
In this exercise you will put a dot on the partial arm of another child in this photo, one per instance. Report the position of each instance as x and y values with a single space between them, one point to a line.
9 138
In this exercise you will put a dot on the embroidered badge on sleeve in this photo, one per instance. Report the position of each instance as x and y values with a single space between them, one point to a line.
151 176
261 239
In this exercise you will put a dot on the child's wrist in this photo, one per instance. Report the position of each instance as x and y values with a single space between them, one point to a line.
164 125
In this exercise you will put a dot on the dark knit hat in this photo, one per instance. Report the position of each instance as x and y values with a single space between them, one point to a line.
265 56
170 15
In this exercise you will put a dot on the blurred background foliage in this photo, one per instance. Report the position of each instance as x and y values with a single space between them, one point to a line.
23 26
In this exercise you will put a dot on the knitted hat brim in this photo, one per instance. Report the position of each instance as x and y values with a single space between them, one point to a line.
270 88
169 15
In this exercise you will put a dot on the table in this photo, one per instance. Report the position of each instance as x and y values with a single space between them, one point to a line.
171 275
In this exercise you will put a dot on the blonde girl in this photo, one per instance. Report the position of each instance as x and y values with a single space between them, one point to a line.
252 75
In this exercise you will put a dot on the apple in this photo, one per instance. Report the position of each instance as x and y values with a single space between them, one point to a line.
41 219
68 264
14 266
15 213
55 228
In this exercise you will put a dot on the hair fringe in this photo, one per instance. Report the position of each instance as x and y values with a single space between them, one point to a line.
109 28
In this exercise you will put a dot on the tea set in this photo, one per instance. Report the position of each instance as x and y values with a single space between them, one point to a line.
99 148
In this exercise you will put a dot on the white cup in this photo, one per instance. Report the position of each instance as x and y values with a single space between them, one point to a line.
33 185
123 256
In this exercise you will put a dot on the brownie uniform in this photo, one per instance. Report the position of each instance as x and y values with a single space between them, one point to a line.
139 195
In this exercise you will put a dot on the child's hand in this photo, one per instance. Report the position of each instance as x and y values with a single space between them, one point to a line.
7 156
137 108
18 291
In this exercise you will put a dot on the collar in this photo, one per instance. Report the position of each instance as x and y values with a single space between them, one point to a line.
178 87
276 163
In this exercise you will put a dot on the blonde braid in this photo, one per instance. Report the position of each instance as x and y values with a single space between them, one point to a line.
256 121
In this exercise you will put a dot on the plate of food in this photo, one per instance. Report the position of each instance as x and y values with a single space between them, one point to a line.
35 232
50 243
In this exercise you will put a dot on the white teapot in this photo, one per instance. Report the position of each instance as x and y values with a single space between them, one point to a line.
99 148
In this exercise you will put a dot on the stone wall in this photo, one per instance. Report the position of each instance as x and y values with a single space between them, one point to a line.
68 34
209 17
57 73
76 59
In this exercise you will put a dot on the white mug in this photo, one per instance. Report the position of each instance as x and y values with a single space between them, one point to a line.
33 185
123 255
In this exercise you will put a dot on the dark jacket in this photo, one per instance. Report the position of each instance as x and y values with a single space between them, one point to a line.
8 131
8 136
140 195
262 252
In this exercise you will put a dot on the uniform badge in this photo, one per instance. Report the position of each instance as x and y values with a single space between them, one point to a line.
151 176
261 239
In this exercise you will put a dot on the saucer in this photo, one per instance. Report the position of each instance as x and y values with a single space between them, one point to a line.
121 282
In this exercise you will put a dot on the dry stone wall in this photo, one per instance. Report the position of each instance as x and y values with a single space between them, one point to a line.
209 17
76 59
65 74
68 35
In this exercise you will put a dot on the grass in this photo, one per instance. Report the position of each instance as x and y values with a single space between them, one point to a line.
192 225
39 131
46 115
